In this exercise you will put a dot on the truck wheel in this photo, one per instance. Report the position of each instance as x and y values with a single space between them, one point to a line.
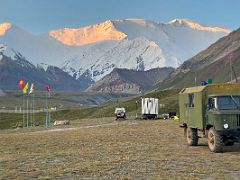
215 141
192 137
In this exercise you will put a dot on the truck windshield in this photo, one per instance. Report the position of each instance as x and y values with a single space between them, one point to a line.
228 102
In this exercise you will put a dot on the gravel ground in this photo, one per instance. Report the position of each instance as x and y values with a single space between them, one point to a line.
108 149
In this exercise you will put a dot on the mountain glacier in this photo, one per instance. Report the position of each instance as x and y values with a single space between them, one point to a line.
96 50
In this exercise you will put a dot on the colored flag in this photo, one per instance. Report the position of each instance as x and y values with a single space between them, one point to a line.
48 89
204 83
31 89
209 81
21 84
25 89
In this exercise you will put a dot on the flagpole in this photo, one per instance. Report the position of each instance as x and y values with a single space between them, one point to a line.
46 100
49 118
31 115
33 110
46 111
27 111
31 95
23 108
23 87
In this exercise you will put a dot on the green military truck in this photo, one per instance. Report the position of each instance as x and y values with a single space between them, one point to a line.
213 112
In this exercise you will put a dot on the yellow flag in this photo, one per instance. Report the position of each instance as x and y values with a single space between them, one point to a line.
25 89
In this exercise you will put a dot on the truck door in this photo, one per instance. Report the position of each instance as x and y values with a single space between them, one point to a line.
211 106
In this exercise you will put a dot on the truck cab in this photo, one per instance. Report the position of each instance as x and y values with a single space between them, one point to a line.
212 112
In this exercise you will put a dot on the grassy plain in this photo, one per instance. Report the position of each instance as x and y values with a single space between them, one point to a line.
102 148
168 97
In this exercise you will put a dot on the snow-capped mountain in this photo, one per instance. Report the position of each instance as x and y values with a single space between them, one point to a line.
37 49
87 35
96 50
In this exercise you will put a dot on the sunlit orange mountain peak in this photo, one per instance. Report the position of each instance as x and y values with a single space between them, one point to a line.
198 26
87 35
4 27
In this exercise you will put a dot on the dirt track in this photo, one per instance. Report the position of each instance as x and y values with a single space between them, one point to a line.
127 150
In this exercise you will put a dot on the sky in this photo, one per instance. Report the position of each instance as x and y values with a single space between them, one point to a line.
40 16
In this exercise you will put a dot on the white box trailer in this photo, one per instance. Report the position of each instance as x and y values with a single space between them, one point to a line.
150 108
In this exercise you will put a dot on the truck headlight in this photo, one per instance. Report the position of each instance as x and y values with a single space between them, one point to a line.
225 126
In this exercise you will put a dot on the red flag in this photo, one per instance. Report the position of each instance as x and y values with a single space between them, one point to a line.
21 84
48 89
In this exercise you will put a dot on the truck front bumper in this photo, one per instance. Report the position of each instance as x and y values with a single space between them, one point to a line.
233 134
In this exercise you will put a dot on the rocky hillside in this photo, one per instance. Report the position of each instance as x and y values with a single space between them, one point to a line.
212 63
130 81
12 70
